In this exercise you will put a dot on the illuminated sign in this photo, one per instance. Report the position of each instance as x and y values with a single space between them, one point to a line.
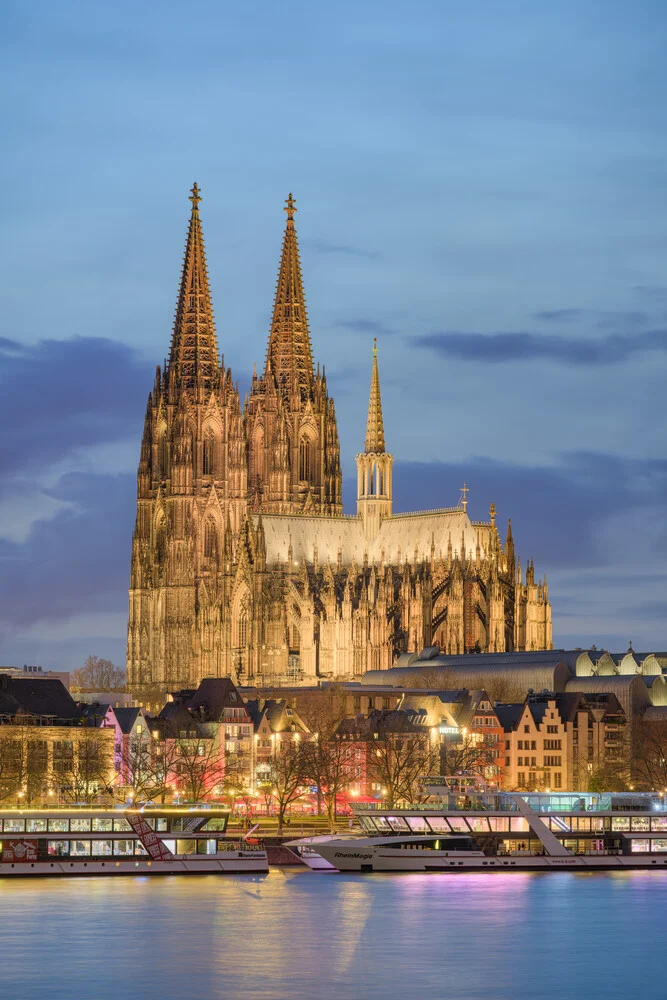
449 730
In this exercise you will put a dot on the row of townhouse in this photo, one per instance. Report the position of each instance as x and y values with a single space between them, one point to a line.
235 738
563 741
549 741
53 750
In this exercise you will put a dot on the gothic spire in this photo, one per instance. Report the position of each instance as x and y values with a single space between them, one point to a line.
193 357
374 426
289 354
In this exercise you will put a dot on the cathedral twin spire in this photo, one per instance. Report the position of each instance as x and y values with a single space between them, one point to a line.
289 355
193 357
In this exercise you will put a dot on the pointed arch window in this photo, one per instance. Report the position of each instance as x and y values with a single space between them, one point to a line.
305 459
259 453
163 452
210 539
160 540
243 629
208 456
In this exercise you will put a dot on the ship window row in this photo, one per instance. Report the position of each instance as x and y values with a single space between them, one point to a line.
440 824
514 824
75 825
101 825
96 848
121 848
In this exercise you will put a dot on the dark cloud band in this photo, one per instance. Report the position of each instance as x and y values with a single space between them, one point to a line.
501 348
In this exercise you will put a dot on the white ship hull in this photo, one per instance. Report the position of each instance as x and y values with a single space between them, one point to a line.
306 850
357 857
232 863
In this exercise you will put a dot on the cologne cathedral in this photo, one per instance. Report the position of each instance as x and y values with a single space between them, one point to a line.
243 563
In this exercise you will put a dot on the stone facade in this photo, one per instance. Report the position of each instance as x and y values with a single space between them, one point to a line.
243 564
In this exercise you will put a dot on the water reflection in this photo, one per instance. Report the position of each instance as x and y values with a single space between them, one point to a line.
302 935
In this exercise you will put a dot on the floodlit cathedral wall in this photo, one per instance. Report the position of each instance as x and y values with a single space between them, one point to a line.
243 563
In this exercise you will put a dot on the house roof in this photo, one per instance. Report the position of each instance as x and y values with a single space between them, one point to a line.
46 697
94 712
509 716
212 697
126 718
278 715
383 721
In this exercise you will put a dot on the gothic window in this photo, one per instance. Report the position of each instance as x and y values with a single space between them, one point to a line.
208 458
241 622
259 453
295 643
305 459
162 452
210 539
160 540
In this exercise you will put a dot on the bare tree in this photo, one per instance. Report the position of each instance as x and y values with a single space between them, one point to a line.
98 675
134 762
647 756
163 757
399 760
470 752
322 710
287 773
199 766
23 762
435 679
90 768
329 763
500 689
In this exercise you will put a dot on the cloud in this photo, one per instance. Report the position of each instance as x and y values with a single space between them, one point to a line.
60 395
321 246
559 315
75 561
499 348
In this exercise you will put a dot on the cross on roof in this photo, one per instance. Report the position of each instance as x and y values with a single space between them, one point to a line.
464 496
194 196
290 206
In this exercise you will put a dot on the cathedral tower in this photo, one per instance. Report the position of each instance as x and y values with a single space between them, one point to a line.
294 456
192 483
374 487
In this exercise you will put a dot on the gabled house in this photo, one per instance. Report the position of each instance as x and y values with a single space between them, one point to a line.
129 726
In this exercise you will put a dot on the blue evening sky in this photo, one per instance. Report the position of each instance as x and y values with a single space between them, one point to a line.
482 185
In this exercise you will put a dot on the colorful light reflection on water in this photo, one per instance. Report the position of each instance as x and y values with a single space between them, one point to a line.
301 935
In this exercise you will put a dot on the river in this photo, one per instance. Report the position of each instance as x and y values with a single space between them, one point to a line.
305 936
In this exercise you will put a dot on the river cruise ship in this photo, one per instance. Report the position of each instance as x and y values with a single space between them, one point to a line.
466 829
150 840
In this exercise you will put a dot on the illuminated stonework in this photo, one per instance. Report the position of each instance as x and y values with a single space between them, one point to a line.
243 564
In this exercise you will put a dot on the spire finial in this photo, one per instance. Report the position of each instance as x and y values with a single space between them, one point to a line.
195 196
492 513
290 207
375 347
464 497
